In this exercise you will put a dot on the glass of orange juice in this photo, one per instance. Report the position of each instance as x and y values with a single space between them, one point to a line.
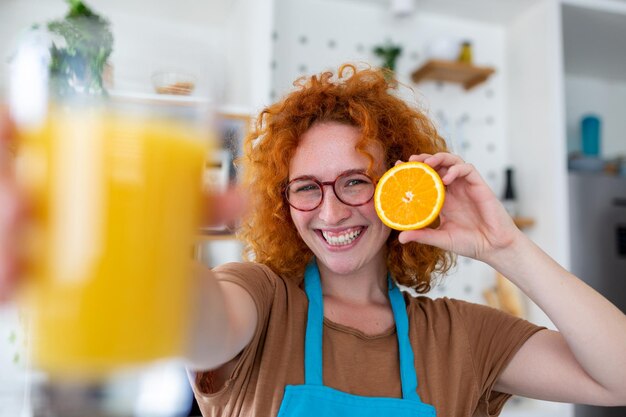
115 191
116 200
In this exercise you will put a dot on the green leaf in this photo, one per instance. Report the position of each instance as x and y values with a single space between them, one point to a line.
78 8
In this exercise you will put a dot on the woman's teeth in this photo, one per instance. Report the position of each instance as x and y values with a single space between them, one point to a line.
343 239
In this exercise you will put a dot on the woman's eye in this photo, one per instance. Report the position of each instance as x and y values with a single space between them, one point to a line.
306 187
355 181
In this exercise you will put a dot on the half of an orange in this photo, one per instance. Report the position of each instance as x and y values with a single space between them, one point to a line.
409 196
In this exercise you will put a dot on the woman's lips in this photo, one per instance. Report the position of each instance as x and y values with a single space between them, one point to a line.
341 238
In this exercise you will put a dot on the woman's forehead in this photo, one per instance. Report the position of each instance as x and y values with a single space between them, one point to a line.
330 148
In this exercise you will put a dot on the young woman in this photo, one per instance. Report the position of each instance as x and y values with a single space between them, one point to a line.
315 324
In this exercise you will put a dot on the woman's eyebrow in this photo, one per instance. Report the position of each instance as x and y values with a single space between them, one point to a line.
349 171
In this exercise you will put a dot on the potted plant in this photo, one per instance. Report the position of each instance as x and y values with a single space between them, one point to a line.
81 45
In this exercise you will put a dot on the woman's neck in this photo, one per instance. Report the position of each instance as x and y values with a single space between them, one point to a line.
366 285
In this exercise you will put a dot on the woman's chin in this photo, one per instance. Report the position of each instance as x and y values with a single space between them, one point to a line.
339 266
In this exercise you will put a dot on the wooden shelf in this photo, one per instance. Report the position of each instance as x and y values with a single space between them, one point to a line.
523 222
452 71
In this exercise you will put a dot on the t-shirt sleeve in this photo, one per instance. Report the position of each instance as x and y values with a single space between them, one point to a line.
257 280
493 337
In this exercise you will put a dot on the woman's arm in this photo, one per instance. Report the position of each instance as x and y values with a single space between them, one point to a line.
225 318
585 361
225 315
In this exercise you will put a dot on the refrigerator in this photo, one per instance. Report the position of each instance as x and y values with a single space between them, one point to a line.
597 205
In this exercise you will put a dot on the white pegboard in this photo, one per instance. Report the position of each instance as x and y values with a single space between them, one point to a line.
314 35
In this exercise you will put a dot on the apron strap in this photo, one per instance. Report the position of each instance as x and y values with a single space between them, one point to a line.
408 375
313 338
314 326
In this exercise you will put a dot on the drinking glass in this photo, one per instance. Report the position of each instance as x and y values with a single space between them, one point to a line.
114 185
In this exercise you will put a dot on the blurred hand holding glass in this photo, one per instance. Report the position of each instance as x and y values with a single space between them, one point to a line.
115 188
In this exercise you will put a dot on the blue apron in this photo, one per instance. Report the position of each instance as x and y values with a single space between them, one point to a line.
315 399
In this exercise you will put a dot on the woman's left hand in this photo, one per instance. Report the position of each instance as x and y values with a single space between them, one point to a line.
473 222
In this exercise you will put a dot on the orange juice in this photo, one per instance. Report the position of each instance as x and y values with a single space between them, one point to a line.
116 204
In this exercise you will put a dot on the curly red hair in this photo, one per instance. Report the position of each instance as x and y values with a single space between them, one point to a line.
357 97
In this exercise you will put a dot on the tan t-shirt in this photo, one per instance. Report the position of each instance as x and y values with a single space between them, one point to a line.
460 350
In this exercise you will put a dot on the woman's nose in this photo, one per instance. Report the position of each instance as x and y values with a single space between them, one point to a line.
332 210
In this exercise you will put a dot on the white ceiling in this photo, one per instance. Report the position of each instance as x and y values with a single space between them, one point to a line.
488 11
491 11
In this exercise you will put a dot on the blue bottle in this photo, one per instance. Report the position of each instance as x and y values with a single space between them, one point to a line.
590 128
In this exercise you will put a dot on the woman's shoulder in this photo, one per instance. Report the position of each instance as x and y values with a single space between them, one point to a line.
277 299
446 308
253 276
428 303
476 318
245 268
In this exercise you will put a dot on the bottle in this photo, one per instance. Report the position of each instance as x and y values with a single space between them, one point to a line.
509 198
465 55
590 128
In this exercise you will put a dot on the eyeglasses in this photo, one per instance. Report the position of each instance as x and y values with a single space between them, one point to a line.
353 188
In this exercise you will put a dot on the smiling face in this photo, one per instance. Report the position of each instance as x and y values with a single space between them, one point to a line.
344 239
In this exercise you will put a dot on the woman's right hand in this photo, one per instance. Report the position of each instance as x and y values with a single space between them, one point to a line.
225 208
12 209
